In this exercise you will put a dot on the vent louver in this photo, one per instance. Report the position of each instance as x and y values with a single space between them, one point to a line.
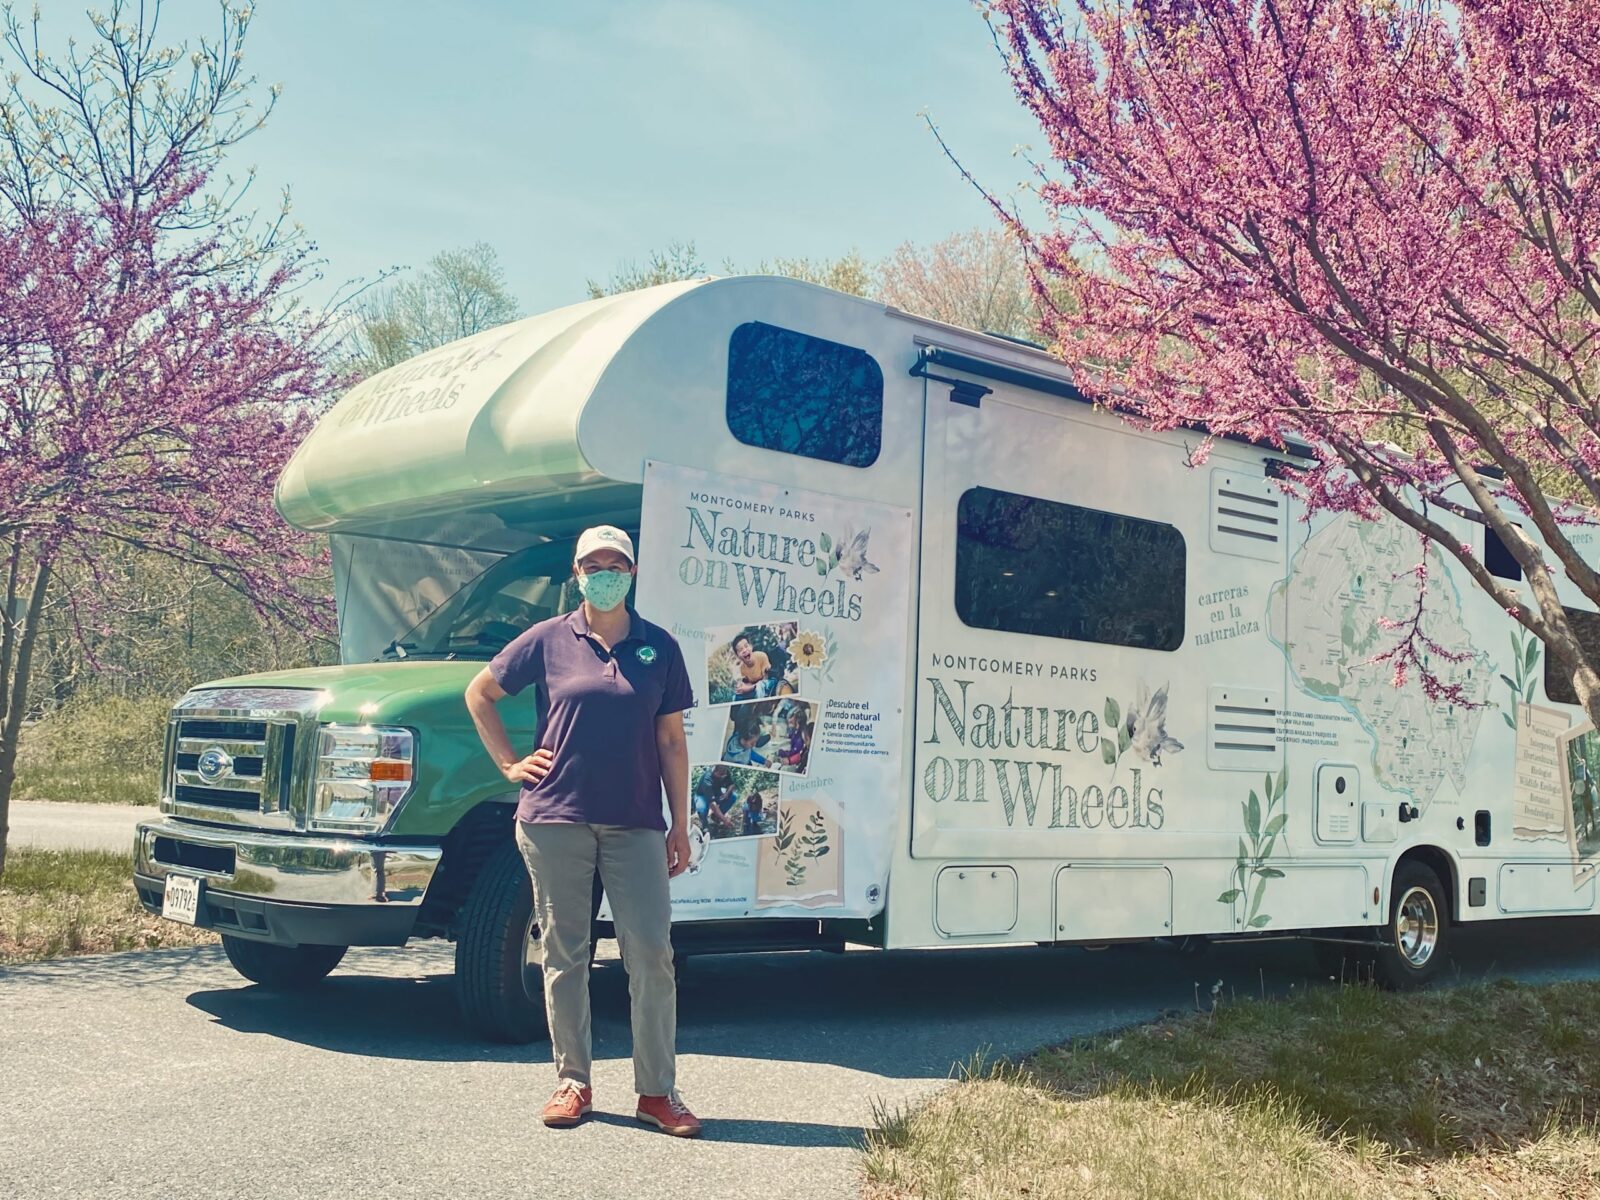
1247 516
1242 729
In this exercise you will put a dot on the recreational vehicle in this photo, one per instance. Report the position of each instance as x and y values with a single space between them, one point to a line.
975 662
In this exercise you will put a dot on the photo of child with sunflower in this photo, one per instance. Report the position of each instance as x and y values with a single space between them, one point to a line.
754 662
776 734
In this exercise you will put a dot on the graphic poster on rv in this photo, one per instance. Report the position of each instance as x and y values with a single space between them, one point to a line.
791 608
1352 586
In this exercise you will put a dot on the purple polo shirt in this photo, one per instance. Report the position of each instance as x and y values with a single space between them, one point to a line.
597 711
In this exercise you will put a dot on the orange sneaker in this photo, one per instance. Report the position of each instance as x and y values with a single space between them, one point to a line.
669 1114
568 1106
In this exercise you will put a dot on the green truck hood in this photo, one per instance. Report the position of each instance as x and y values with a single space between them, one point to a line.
374 692
454 772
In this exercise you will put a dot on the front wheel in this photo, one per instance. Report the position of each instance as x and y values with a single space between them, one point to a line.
282 968
1416 940
499 980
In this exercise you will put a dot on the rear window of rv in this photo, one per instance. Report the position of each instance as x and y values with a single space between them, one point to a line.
803 395
1558 684
1025 565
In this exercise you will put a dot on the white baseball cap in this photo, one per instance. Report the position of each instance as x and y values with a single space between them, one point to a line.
603 537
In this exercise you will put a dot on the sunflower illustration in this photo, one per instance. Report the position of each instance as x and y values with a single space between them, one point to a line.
808 650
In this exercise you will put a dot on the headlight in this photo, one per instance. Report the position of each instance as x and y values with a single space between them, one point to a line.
363 773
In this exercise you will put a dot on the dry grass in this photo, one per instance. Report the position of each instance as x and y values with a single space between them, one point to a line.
1475 1091
61 902
104 750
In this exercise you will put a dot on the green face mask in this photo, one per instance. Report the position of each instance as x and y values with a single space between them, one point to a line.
605 589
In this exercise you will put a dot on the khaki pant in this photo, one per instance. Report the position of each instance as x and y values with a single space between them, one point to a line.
562 859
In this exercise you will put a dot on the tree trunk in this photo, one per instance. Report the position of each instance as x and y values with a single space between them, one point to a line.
16 700
8 628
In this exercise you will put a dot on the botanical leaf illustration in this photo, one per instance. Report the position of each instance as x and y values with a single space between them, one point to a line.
1524 659
1251 869
796 852
785 832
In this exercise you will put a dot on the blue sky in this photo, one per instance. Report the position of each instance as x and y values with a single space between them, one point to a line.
571 136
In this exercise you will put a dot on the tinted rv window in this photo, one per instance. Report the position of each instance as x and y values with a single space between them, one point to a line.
803 395
1056 570
1497 556
1557 675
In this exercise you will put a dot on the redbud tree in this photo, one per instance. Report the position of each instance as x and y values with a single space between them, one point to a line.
1369 225
156 367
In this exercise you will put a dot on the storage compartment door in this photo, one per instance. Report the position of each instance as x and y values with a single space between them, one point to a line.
1306 896
1546 887
975 901
1102 903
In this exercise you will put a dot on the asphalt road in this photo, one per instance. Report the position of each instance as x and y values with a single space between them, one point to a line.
55 826
163 1074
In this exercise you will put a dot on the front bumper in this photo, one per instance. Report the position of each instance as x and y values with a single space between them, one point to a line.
286 889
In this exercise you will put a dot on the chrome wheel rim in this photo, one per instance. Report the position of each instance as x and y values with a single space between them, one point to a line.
532 961
1416 926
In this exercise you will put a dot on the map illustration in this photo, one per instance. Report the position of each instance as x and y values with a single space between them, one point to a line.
1343 581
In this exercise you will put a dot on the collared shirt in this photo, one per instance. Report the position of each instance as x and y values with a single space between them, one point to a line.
597 711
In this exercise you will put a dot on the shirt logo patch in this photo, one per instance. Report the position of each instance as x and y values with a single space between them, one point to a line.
646 654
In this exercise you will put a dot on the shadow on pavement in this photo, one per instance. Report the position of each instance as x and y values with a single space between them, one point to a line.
900 1014
754 1133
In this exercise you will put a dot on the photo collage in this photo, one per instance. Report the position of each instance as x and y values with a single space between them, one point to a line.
754 677
1581 769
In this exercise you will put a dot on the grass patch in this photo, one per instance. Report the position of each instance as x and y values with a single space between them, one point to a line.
61 902
1487 1090
103 750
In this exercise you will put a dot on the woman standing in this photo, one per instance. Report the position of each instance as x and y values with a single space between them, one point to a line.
611 690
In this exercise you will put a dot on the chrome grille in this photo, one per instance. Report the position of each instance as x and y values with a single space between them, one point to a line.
237 756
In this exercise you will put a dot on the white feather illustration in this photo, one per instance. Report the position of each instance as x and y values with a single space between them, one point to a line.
1146 723
853 553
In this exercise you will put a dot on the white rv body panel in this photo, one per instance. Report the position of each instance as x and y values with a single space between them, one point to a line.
1272 777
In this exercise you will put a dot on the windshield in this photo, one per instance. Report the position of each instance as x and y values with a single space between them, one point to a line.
520 590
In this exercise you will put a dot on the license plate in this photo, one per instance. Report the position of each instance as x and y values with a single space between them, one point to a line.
182 900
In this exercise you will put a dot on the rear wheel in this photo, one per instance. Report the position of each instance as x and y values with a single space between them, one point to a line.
499 980
282 968
1417 936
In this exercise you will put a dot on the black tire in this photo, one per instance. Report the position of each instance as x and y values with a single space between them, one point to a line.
282 968
501 995
1416 941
